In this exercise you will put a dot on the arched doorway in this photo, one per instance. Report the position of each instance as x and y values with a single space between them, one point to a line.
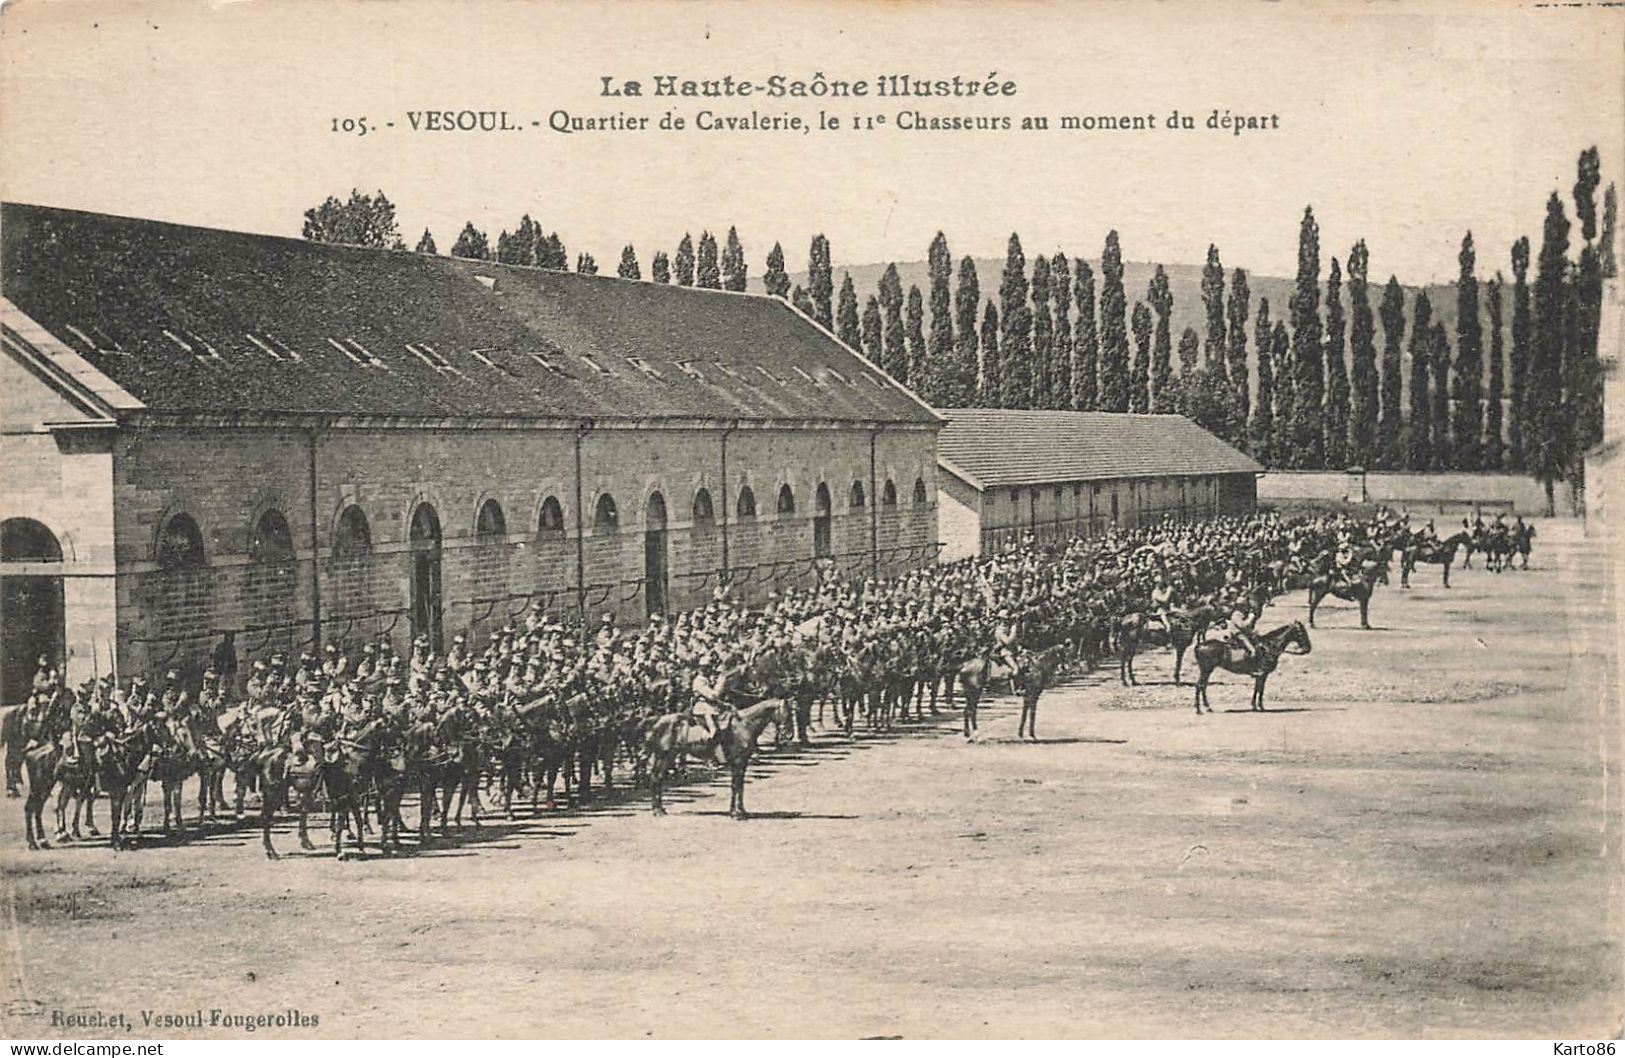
425 540
31 611
823 545
654 556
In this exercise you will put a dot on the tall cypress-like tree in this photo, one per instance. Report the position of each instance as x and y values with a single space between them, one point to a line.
1548 432
426 244
1085 344
707 270
1239 308
1494 447
874 338
735 273
847 326
1610 218
894 361
1190 348
1518 355
1043 335
1139 382
683 263
1114 384
586 264
1337 374
1467 425
1161 299
1287 451
660 267
988 369
966 388
1439 362
914 336
1308 377
628 268
1060 374
1261 428
1363 399
1582 371
938 385
1015 339
776 281
1213 305
1390 450
821 281
1419 423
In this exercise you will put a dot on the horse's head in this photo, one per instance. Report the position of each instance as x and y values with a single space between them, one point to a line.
1296 640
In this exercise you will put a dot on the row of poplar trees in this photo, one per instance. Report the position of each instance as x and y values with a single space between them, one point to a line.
1300 386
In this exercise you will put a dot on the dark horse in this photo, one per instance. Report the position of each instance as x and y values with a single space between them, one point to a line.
1135 630
1357 589
1037 673
974 676
1216 654
1441 553
734 743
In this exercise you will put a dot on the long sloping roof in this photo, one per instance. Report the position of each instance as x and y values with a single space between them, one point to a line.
197 320
992 447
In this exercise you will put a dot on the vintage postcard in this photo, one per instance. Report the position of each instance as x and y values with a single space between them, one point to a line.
814 519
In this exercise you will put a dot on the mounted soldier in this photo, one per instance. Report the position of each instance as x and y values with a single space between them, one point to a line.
1240 630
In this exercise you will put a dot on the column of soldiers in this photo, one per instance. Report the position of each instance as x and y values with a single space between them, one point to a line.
922 624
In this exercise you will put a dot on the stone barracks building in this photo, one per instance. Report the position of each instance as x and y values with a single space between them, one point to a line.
208 432
1062 474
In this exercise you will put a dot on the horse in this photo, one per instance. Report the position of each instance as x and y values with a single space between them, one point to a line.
1359 590
1183 628
734 741
974 676
1522 541
1037 671
1441 553
1216 654
120 759
283 780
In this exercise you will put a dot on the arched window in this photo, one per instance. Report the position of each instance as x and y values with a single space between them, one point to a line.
180 545
425 527
746 507
919 492
821 499
888 494
552 520
605 517
490 523
857 494
704 516
353 536
787 499
654 514
272 540
25 540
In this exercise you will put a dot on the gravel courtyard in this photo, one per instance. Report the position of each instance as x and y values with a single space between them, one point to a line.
1421 838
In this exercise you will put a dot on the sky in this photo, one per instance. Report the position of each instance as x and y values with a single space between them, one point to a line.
1401 123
